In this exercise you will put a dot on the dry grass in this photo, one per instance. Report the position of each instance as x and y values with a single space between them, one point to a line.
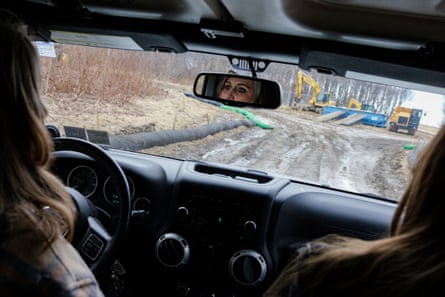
121 92
175 111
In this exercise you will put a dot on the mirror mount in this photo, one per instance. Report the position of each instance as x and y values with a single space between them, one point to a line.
248 64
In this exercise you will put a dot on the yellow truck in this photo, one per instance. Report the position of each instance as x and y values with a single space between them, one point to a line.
405 118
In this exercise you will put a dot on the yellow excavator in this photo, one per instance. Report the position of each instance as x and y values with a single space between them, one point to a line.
354 103
318 99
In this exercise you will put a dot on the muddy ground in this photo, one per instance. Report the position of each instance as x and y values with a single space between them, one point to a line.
357 158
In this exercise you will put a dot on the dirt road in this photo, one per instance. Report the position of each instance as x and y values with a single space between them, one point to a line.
356 158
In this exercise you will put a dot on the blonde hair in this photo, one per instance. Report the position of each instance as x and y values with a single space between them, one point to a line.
410 262
256 85
27 187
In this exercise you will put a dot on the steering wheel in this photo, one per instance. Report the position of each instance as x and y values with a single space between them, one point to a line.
92 240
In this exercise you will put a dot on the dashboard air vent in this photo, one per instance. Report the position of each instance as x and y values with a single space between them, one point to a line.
256 177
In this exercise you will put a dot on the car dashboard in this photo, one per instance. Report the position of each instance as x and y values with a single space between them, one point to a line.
203 229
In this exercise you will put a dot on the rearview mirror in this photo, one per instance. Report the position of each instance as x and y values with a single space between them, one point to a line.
237 90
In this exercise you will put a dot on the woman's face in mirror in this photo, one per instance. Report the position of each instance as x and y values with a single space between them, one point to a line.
238 89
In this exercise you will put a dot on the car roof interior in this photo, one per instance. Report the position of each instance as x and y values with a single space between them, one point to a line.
401 40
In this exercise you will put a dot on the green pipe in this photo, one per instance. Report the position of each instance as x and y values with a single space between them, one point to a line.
248 115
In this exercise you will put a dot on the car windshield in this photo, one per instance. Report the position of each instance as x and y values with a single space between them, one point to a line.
328 131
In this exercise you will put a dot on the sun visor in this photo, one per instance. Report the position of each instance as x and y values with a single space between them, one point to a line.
416 20
407 68
119 40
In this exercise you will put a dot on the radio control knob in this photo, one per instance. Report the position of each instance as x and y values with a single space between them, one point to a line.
182 290
250 228
182 212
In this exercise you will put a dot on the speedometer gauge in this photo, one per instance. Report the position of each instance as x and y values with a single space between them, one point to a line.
111 194
83 179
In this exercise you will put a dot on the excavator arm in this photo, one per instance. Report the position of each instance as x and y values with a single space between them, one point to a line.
301 77
353 103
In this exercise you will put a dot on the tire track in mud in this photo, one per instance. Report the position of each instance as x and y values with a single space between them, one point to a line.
367 160
352 158
355 158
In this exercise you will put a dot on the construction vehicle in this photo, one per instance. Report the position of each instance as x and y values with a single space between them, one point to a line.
405 118
354 103
318 99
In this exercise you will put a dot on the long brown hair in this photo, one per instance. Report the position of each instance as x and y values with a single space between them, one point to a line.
410 262
31 197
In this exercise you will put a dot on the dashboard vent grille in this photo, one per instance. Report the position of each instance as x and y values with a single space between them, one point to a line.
257 177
